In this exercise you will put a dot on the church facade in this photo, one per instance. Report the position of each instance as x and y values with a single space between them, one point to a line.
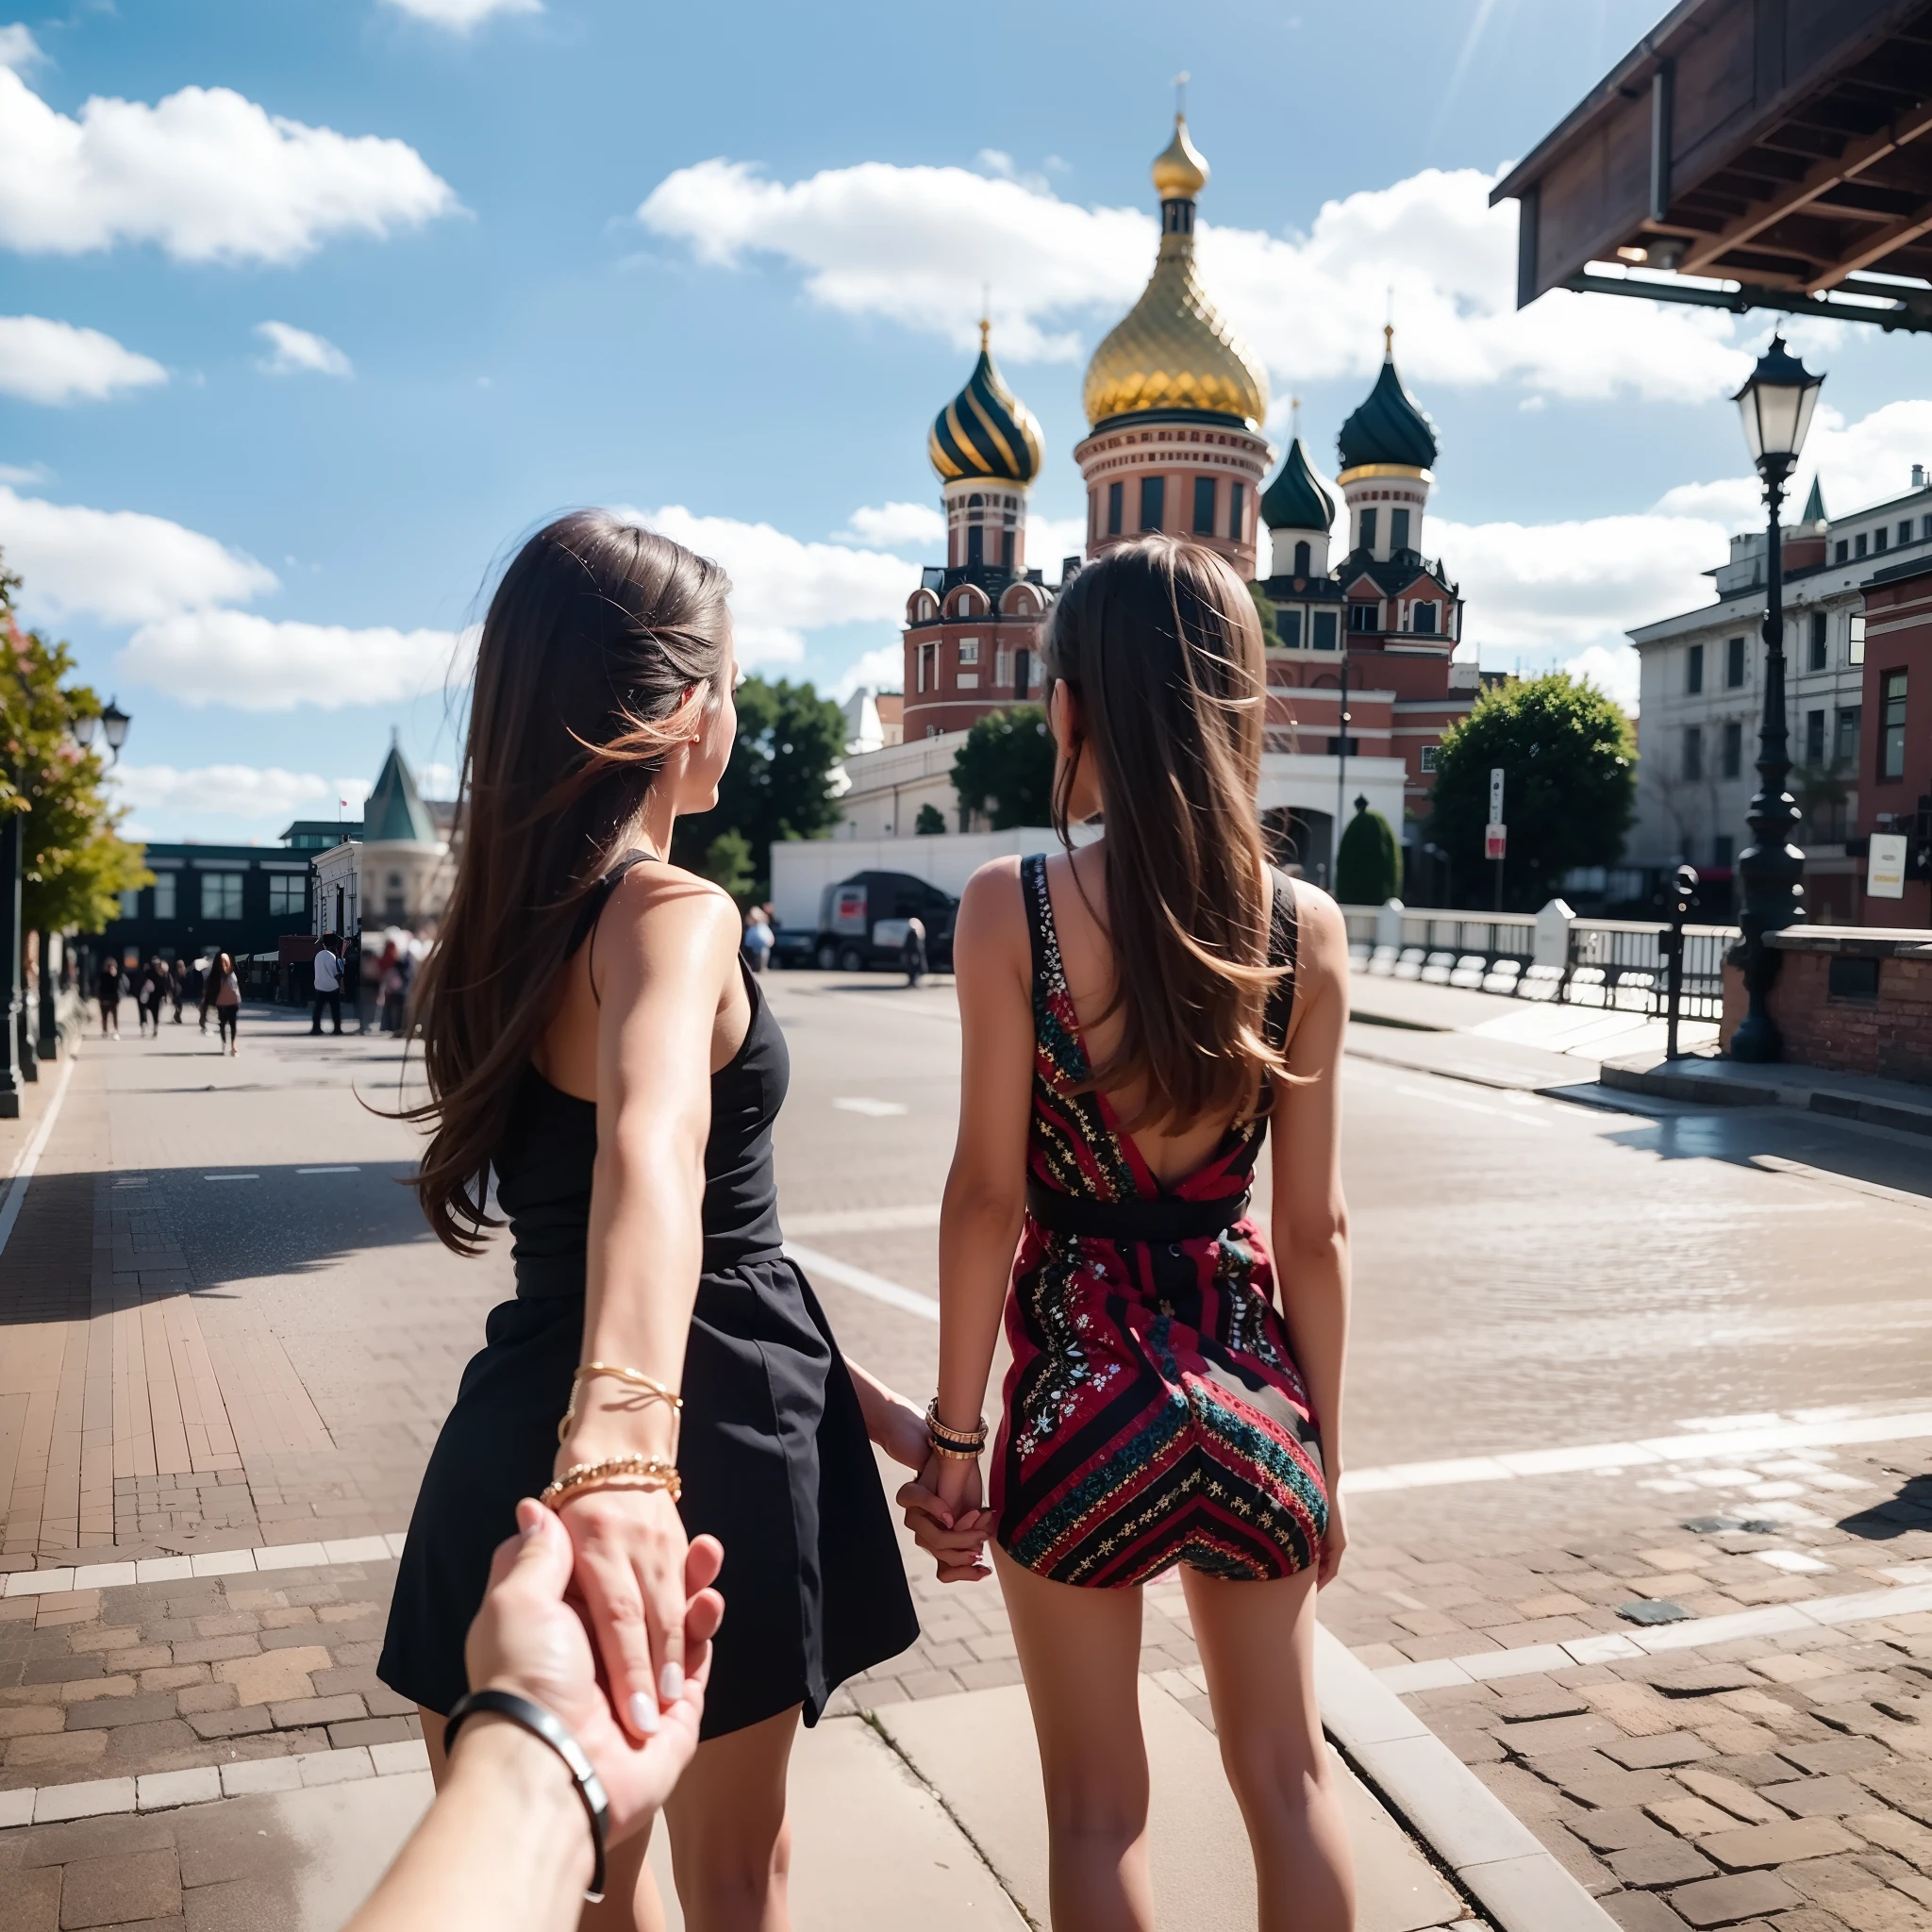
1361 677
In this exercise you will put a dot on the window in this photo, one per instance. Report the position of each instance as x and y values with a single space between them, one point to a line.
1325 630
1693 752
1115 494
1423 620
1287 623
1694 670
1237 512
1722 849
976 544
969 651
1904 529
164 894
1925 529
1858 544
1734 748
1854 638
1845 551
1398 529
1092 514
1820 630
1879 537
1153 502
1734 662
1204 506
1814 738
1301 559
1002 667
1022 672
1844 747
1007 548
1368 529
1891 727
286 893
1429 752
130 905
220 895
1363 616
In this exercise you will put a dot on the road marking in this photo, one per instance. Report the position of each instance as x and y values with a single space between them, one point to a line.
866 1220
910 1300
119 1574
231 1176
321 1170
1445 1100
30 1157
1709 1445
1691 1633
863 1102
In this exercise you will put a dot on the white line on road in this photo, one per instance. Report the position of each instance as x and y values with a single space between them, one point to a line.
321 1170
877 1286
1733 1444
865 1104
231 1176
866 1220
30 1155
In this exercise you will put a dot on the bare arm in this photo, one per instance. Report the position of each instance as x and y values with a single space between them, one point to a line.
666 946
1311 1230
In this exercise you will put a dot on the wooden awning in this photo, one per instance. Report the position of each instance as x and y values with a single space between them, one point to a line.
1748 153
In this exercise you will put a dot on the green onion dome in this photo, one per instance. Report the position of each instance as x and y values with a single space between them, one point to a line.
1296 500
986 430
1390 426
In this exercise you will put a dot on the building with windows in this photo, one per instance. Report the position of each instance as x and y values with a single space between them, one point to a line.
207 899
1702 698
398 873
1895 762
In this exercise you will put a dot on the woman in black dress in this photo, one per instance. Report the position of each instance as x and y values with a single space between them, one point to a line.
590 1037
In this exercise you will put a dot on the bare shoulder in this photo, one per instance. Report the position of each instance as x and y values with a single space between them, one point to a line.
1322 935
991 904
663 911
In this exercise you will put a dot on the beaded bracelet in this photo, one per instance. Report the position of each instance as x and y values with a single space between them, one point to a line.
640 1471
966 1444
654 1389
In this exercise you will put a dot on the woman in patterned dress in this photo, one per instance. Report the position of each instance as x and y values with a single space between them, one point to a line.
1136 1014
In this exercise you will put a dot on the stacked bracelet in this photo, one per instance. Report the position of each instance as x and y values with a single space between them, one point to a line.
963 1445
634 1472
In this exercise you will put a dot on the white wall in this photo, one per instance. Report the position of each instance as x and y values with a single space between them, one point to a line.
803 868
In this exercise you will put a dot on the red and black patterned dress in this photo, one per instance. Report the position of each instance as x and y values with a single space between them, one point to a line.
1154 1414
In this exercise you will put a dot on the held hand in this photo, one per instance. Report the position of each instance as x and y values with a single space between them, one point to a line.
943 1512
630 1564
527 1639
1335 1544
900 1431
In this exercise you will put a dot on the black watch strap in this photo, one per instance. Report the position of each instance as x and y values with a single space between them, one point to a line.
540 1723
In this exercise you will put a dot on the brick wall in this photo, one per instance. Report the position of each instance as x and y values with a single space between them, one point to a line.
1889 1035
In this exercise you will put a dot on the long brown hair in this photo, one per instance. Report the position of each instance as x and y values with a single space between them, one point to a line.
602 647
1159 642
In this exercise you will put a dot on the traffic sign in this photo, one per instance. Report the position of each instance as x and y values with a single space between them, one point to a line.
1495 837
1885 873
1495 794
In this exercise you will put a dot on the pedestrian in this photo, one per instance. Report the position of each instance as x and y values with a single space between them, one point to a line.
328 984
1137 1018
592 1036
147 997
913 953
108 994
758 938
225 995
177 986
196 987
390 987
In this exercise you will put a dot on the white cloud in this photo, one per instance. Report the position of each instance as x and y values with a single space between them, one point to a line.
1866 461
1613 671
18 51
881 670
916 245
260 664
781 587
459 16
894 526
119 566
296 352
433 781
1049 539
205 174
250 791
42 362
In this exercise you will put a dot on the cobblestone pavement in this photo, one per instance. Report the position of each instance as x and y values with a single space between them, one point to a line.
223 1328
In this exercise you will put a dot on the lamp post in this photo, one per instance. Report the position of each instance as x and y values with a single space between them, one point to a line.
1776 404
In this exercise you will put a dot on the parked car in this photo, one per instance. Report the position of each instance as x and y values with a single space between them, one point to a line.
862 921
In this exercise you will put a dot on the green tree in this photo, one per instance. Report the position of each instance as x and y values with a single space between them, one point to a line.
1569 760
1368 868
930 822
74 863
1005 769
727 863
1264 610
778 784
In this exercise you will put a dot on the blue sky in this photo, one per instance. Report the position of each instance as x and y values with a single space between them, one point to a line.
309 310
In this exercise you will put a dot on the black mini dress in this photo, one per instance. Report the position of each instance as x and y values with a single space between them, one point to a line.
773 1448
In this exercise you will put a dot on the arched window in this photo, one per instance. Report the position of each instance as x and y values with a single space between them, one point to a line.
1302 556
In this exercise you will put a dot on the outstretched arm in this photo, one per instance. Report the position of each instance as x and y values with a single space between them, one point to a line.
1310 1216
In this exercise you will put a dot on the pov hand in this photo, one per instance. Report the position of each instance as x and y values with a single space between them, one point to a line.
943 1512
527 1639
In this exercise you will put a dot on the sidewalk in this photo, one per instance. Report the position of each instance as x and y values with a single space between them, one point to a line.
1705 1079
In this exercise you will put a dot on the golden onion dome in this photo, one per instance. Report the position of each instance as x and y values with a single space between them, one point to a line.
1172 350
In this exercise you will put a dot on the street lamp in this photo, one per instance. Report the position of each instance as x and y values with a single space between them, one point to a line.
1776 404
114 721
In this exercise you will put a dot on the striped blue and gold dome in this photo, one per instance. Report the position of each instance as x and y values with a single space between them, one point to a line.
986 430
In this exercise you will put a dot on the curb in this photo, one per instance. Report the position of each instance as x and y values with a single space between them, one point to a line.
1493 1856
1718 1090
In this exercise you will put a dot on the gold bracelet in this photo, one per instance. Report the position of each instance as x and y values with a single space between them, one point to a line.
951 1453
943 1437
654 1389
642 1472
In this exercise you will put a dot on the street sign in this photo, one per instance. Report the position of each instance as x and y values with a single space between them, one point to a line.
1885 876
1495 841
1495 795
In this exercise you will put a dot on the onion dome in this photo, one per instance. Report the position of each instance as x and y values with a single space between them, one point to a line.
1390 426
1296 499
1172 351
986 430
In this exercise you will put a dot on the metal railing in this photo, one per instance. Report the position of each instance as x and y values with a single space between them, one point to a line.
1619 963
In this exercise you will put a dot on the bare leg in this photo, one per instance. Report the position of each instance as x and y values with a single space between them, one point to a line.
630 1893
1257 1648
730 1844
1080 1651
